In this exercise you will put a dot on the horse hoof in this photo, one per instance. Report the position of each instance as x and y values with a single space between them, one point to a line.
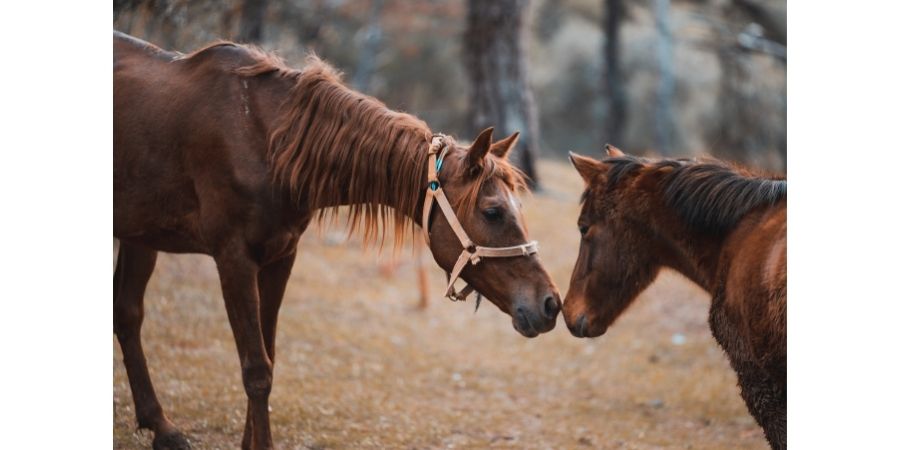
171 441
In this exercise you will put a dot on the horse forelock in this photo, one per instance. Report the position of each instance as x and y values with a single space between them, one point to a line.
499 169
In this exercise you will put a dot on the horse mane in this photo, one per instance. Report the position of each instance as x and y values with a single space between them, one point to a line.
324 129
709 195
332 146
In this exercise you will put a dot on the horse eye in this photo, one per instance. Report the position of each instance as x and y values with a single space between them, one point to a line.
583 229
492 214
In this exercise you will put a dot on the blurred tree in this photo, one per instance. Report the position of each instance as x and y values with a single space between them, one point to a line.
163 18
614 88
310 18
500 96
665 122
770 15
252 14
370 46
122 5
751 121
594 65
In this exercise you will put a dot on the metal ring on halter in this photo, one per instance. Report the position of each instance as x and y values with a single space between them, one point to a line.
472 253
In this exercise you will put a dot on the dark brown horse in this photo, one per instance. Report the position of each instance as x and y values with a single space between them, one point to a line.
722 227
229 153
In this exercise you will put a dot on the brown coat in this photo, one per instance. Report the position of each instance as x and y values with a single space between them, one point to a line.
721 226
228 152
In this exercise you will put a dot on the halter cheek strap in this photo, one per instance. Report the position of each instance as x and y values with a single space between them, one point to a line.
471 253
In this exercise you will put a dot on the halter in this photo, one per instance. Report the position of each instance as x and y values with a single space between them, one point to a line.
471 253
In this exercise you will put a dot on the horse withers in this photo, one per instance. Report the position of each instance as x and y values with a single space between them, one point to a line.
719 225
228 152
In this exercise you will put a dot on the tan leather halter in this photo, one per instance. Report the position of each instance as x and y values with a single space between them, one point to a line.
471 253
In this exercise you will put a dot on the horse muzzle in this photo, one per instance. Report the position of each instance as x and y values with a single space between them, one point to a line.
581 327
532 321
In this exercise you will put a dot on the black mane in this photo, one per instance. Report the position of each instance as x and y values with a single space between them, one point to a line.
710 196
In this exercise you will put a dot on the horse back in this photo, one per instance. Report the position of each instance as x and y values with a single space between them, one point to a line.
189 157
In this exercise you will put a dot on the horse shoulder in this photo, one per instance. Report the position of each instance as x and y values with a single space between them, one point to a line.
754 285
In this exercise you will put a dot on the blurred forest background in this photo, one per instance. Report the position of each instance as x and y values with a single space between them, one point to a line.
653 77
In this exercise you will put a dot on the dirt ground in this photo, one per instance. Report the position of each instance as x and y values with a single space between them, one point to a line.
359 367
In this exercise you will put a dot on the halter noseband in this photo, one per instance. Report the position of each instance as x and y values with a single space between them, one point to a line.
471 253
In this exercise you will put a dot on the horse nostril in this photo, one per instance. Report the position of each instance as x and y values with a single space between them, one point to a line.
551 307
582 326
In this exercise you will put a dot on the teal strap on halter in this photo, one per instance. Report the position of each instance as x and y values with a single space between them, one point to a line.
437 166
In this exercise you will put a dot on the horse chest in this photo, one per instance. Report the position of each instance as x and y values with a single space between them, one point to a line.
725 329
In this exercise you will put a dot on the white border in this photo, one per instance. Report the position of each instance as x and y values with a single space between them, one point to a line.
844 225
844 230
56 188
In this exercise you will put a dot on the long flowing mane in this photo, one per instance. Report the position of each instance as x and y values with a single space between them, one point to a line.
325 129
709 195
331 146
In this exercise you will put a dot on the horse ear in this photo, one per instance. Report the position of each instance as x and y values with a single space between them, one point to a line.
502 147
479 148
614 152
587 167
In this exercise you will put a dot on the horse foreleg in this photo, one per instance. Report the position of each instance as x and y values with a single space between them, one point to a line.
272 280
767 401
764 391
133 269
238 275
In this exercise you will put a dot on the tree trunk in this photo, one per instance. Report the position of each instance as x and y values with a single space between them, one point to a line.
369 51
614 88
494 46
252 13
665 122
120 6
309 21
751 117
772 17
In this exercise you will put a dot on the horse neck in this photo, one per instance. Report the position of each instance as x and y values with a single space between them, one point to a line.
709 217
698 258
374 184
694 254
371 182
399 191
374 163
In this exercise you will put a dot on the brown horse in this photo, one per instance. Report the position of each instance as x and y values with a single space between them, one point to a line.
722 227
229 153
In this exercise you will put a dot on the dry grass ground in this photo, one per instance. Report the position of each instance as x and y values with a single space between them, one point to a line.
359 367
